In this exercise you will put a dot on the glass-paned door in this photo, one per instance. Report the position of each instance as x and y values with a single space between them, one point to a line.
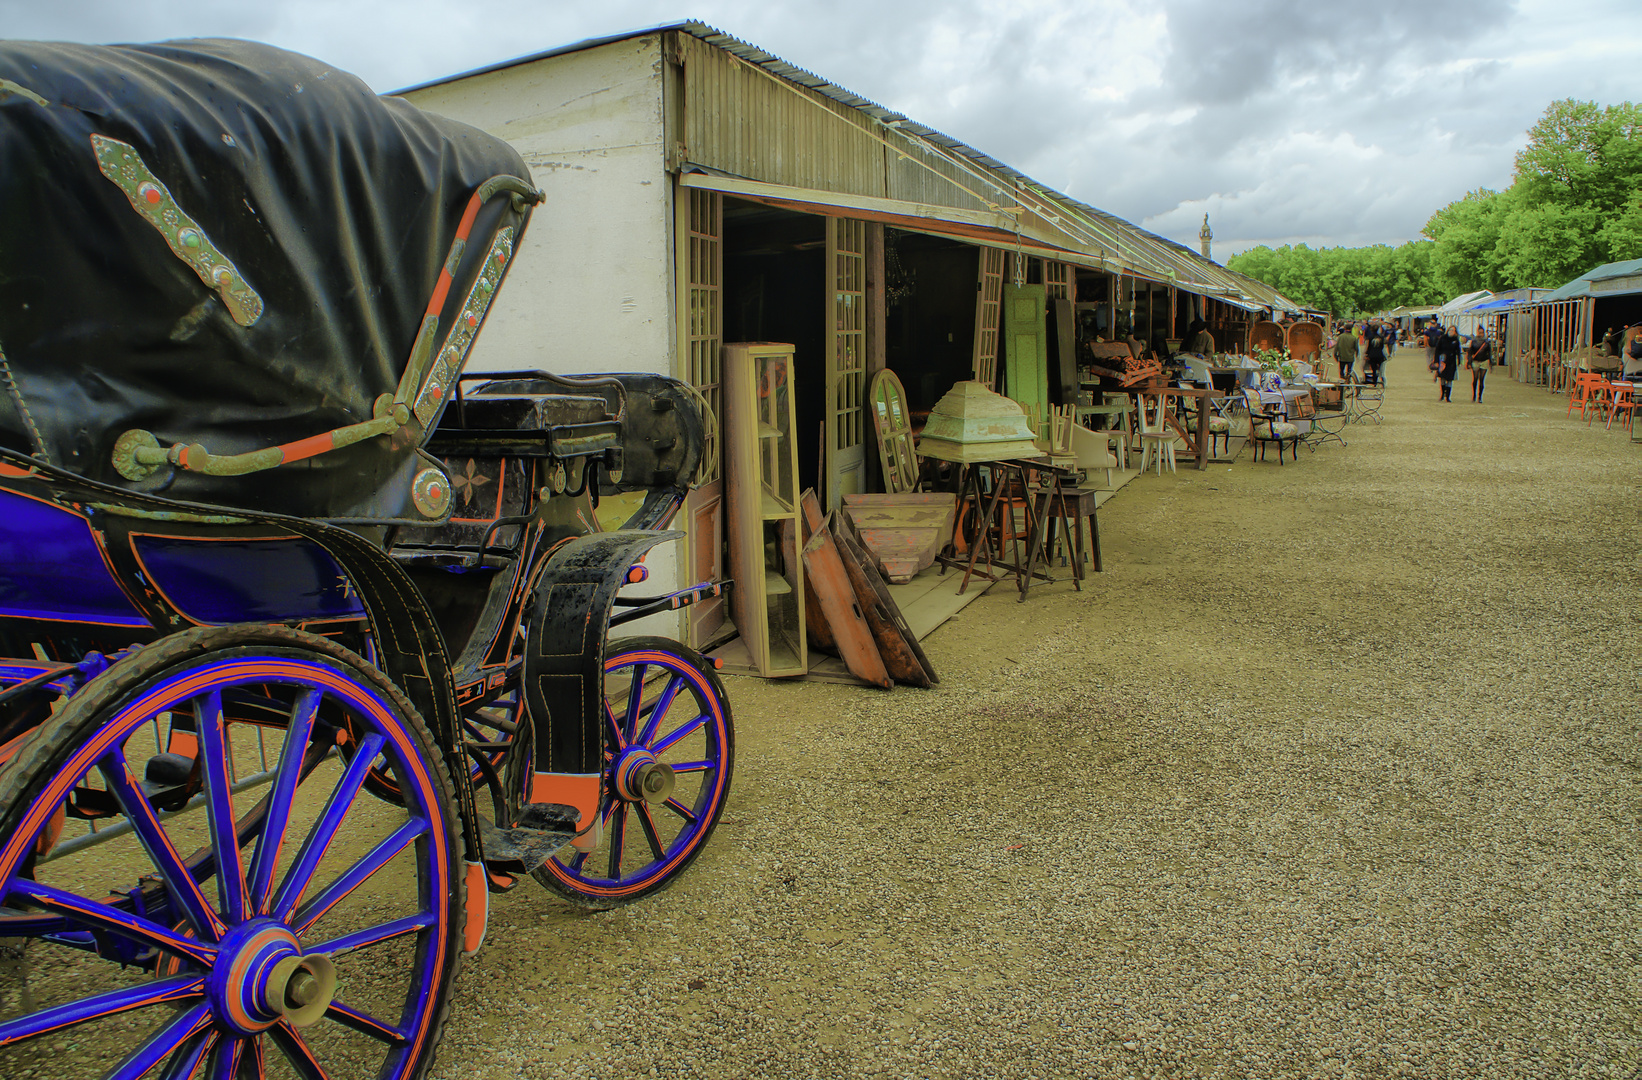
988 305
700 251
845 467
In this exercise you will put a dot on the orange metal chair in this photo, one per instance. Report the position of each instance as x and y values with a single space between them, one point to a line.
1584 392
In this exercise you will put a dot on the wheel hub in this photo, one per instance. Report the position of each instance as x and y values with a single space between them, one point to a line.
640 777
263 977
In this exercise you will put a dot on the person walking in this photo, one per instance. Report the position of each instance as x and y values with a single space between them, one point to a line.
1345 352
1479 358
1373 354
1432 332
1448 361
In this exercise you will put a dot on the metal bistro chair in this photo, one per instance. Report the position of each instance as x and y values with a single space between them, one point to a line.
1268 426
1369 398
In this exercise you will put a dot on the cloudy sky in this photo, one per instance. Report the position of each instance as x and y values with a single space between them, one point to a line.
1323 121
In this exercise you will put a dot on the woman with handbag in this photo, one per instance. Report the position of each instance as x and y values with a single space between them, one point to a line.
1479 359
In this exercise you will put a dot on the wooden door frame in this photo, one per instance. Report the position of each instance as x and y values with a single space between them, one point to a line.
698 218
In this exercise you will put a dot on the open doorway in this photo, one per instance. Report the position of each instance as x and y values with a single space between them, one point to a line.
774 289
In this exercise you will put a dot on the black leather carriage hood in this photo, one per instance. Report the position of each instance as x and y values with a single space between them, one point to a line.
306 220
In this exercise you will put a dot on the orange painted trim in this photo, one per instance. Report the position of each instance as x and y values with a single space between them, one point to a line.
442 289
580 790
312 446
478 907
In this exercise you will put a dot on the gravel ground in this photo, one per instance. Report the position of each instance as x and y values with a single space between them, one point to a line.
1334 772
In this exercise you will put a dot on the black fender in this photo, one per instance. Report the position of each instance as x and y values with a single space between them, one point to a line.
563 678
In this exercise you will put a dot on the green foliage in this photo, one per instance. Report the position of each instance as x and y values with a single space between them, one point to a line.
1346 281
1573 204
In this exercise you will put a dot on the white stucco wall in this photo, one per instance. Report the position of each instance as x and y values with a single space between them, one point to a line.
590 289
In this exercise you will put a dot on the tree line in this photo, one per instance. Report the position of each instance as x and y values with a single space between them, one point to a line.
1575 201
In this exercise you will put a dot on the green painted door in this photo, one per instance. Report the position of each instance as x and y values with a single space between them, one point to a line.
1026 343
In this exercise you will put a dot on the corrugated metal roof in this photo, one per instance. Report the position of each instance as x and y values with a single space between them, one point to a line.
1146 253
1582 285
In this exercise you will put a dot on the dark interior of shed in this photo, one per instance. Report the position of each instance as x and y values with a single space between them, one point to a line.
775 290
929 286
1615 313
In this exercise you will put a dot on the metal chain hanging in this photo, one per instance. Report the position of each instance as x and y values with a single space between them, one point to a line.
1020 258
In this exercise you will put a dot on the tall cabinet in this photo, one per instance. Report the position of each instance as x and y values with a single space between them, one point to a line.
761 478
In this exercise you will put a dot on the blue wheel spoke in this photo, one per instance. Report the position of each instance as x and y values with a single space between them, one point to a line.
162 1043
324 830
254 1057
225 1062
578 862
616 735
648 824
219 803
298 1052
635 698
365 1024
374 935
98 916
280 799
357 874
681 810
185 891
675 737
98 1006
692 766
618 825
659 710
186 1063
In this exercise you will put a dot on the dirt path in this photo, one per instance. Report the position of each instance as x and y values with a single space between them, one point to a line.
1333 773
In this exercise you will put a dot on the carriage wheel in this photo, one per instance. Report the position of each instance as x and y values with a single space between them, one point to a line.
487 734
664 704
327 946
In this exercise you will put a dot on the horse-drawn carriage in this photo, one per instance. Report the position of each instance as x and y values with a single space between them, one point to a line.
303 629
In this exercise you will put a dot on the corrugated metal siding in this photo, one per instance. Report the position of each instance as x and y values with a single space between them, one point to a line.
751 114
741 121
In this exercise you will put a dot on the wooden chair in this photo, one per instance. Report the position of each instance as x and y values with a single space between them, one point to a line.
1266 334
1268 426
1305 341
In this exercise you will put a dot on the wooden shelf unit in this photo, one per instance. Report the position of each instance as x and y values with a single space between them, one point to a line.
761 477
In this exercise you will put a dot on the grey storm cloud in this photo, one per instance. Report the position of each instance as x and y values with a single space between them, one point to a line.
1324 121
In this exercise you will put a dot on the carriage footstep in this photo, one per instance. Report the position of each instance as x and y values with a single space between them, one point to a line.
521 850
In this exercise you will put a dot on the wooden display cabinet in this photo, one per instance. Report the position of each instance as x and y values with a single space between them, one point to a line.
761 478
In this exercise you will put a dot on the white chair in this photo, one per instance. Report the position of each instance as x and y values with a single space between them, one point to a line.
1156 440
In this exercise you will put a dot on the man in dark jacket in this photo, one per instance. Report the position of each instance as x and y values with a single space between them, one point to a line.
1345 352
1431 333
